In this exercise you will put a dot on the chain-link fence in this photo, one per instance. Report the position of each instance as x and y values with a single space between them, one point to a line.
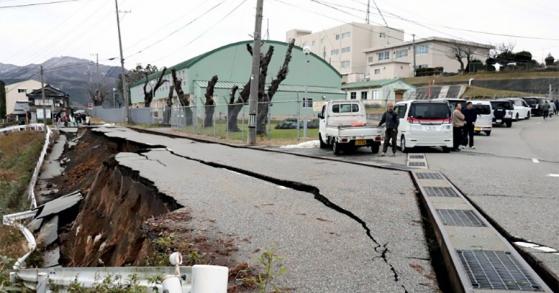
288 121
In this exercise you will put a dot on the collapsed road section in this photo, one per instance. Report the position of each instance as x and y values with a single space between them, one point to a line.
336 227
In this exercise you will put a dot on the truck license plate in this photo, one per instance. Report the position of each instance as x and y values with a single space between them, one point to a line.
360 142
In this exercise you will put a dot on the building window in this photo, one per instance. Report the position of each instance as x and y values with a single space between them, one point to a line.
346 50
345 64
384 55
376 95
377 71
370 59
422 49
401 53
334 52
364 95
337 36
353 95
21 91
346 35
382 35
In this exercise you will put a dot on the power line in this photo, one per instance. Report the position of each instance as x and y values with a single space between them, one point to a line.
36 4
177 30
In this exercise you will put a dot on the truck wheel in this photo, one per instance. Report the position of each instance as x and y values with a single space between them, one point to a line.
488 132
336 148
509 124
403 147
375 147
323 145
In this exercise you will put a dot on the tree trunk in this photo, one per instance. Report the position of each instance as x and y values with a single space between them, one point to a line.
233 111
262 117
167 112
183 99
148 95
210 103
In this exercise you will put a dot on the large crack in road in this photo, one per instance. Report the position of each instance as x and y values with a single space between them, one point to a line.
381 249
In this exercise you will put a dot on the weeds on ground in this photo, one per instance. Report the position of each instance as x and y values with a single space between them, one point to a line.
263 277
166 244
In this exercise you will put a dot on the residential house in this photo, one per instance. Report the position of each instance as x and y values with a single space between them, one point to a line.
17 92
379 92
342 46
396 61
54 102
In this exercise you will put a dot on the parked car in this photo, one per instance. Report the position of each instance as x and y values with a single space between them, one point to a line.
452 102
424 123
291 123
343 125
502 112
535 104
521 109
484 121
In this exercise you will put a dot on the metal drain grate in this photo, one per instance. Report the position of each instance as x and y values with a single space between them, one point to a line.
496 270
429 176
440 191
416 164
417 156
466 218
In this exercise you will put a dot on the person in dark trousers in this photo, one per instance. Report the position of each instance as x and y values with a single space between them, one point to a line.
470 117
556 106
545 109
392 121
457 127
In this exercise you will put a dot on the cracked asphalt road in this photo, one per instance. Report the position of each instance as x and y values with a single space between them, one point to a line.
326 251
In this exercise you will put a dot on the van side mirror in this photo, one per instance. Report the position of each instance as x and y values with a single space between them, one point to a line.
320 116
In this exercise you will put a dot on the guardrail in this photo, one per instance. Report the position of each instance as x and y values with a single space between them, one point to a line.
178 279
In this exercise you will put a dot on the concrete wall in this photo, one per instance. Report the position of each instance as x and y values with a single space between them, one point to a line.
382 95
389 71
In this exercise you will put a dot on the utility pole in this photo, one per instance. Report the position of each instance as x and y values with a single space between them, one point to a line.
367 17
255 76
413 46
43 97
123 73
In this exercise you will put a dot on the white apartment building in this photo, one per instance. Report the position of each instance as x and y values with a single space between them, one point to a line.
396 61
17 92
343 46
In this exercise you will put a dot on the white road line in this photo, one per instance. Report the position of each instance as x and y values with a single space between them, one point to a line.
525 244
552 175
535 161
545 249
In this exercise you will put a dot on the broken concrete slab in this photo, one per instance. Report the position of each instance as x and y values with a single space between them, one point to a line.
58 205
48 232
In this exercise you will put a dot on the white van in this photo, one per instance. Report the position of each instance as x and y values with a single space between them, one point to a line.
424 123
521 109
484 121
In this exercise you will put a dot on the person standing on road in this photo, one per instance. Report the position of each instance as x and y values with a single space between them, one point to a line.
392 121
457 126
545 109
556 106
470 116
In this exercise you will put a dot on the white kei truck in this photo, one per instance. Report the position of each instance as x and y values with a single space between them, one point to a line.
343 126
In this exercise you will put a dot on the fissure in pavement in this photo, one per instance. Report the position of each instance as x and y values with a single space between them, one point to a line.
381 249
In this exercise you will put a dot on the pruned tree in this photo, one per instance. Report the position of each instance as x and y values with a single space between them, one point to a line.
235 108
549 60
184 99
148 95
2 99
134 75
461 52
231 108
264 105
210 102
167 114
97 95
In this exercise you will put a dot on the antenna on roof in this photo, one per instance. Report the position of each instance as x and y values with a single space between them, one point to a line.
379 12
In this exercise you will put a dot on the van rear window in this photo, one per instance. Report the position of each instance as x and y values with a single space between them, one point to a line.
502 105
429 110
345 108
482 109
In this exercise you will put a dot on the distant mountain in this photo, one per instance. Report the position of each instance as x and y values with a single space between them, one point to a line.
72 75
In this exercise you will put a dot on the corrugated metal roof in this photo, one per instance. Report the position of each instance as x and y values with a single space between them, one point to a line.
282 88
370 83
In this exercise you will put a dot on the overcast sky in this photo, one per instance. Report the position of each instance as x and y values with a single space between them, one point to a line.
165 32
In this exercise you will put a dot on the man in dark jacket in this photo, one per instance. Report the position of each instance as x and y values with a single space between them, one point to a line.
470 116
392 121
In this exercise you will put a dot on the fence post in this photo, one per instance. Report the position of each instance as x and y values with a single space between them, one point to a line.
298 116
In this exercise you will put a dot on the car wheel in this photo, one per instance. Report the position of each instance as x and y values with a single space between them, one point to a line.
403 147
336 148
528 115
323 145
509 124
446 150
375 147
488 132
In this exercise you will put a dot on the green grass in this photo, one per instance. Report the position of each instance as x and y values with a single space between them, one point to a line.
424 80
274 136
474 91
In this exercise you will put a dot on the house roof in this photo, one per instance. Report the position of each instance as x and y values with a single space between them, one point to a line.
50 91
192 61
370 84
427 40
